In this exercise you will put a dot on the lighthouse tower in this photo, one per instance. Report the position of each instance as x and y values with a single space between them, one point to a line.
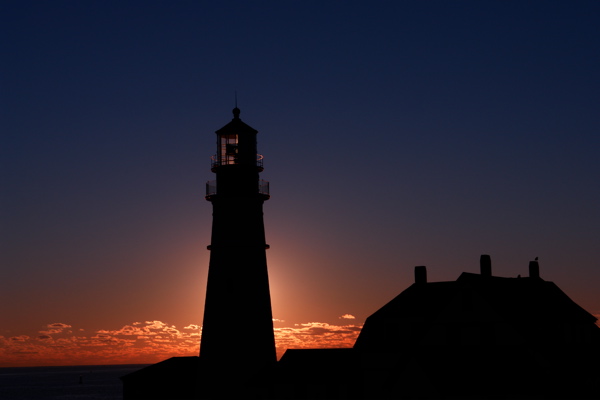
237 331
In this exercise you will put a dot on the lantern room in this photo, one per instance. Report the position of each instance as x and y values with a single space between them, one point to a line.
236 144
236 163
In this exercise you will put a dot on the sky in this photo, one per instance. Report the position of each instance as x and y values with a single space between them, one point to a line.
395 134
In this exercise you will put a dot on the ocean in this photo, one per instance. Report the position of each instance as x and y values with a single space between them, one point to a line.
98 382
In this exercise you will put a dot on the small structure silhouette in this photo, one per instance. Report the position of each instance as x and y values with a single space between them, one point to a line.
481 336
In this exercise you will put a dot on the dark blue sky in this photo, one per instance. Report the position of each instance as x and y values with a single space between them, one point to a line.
395 134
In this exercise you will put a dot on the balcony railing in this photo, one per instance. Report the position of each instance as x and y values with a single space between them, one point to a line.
263 188
211 188
230 160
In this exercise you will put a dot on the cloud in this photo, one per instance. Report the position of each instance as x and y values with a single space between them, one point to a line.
21 338
138 343
155 324
315 335
319 331
149 342
347 316
57 327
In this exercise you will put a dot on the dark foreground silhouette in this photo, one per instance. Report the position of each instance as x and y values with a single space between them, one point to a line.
480 336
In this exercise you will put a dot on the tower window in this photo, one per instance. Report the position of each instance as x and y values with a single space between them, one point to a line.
228 149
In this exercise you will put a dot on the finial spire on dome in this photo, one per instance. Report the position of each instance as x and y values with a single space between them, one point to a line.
236 110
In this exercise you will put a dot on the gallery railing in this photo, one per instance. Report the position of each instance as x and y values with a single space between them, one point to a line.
231 160
211 188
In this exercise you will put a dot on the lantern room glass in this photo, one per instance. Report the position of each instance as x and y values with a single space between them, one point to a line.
228 145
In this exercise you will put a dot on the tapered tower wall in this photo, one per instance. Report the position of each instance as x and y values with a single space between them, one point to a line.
238 323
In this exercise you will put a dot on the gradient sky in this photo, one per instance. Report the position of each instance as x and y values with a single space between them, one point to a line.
395 134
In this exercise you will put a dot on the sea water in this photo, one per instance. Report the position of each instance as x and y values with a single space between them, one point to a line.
100 382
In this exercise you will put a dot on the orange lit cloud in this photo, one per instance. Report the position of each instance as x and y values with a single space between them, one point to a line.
57 327
347 316
138 343
315 335
148 342
22 338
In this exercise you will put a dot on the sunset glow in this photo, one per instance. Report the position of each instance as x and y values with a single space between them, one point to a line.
395 134
147 342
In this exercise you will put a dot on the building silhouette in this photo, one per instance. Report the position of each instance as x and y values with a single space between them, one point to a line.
481 336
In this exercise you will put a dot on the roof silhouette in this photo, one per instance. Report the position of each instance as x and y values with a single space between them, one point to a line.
522 305
236 125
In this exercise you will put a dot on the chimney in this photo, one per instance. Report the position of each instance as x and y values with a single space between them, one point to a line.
420 275
485 265
534 269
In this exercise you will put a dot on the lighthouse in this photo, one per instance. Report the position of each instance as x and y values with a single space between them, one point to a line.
237 330
237 349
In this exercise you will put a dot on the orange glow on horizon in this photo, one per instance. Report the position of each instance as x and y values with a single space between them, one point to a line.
314 335
148 342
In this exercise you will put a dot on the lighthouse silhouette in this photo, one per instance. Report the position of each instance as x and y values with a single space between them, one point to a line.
237 292
233 362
